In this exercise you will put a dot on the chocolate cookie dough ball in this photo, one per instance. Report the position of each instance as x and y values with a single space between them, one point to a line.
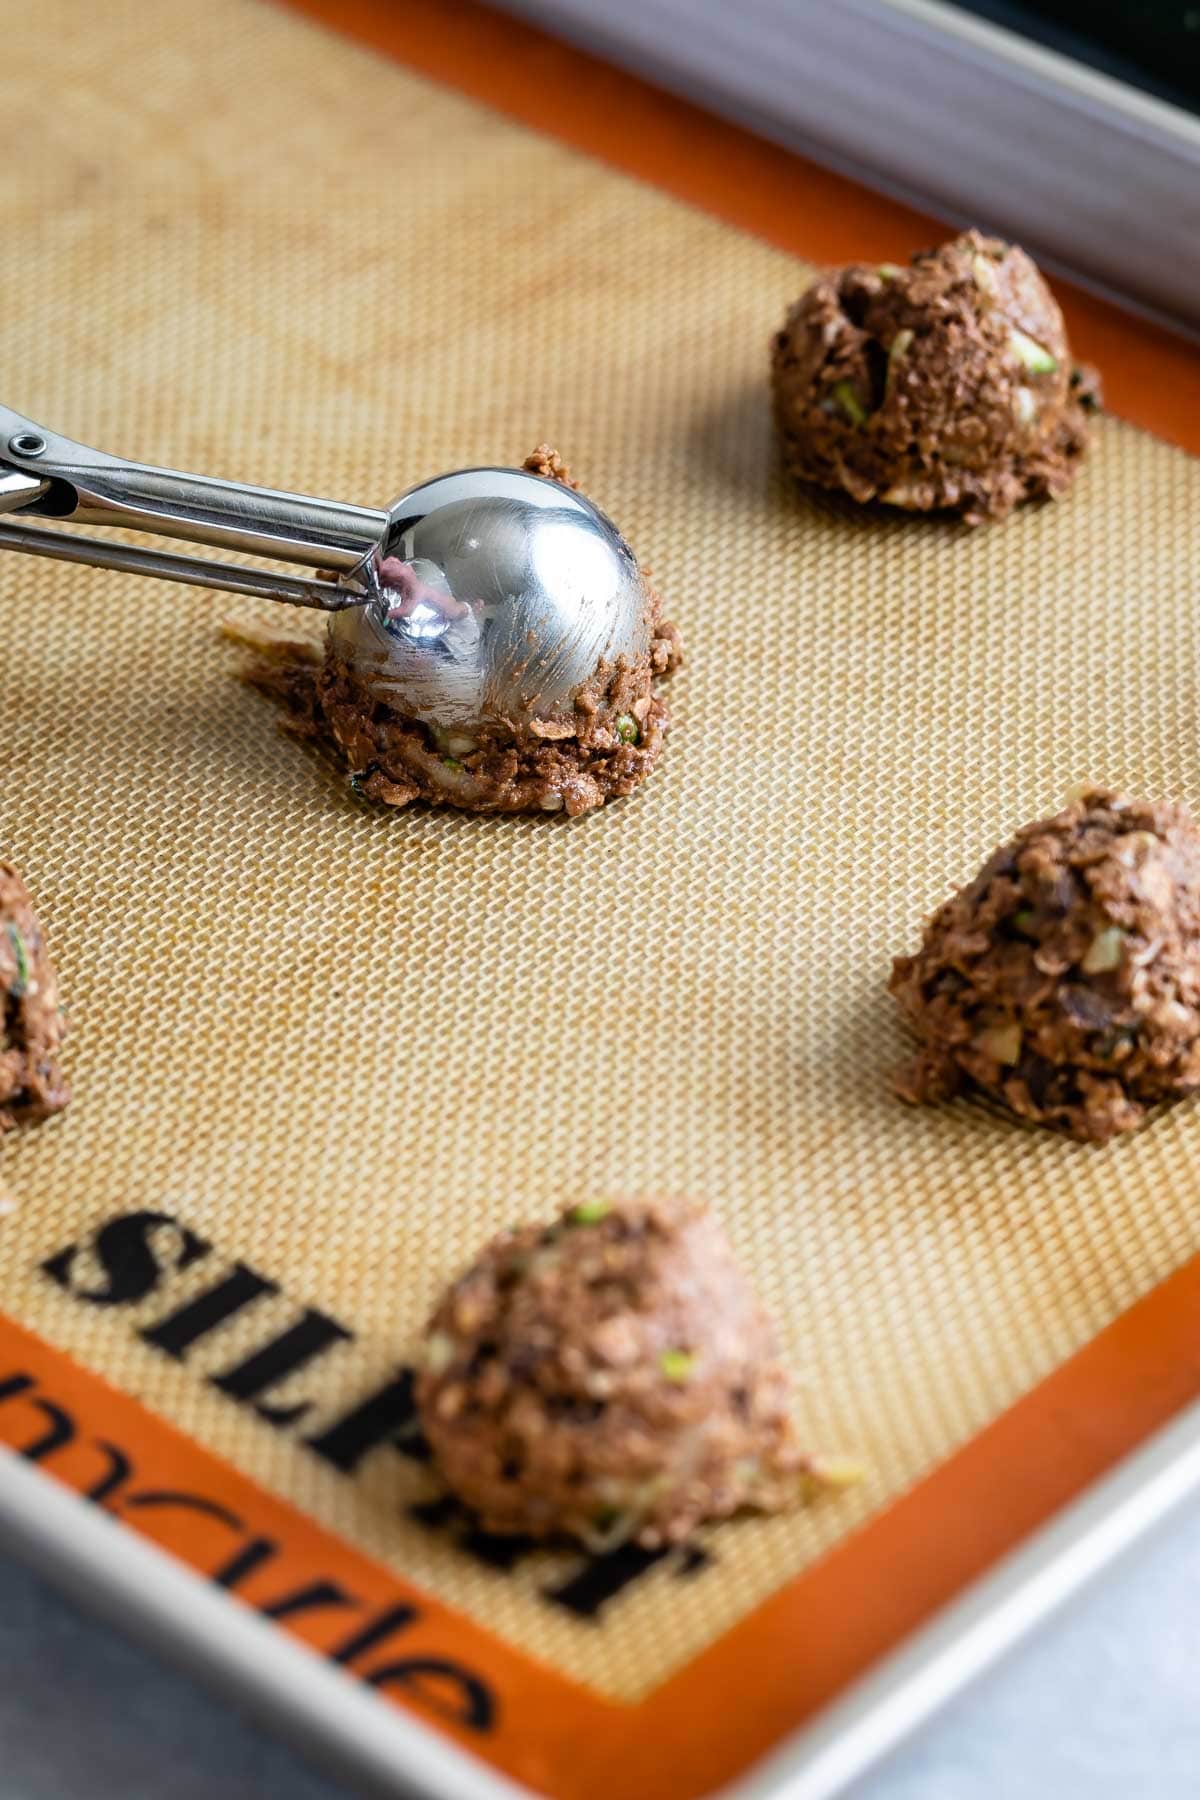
31 1027
946 384
610 1377
1065 980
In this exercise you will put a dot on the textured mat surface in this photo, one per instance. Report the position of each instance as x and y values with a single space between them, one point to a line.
344 1045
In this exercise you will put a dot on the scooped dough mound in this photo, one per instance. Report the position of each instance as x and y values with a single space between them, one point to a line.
603 751
1065 980
610 1377
31 1026
948 384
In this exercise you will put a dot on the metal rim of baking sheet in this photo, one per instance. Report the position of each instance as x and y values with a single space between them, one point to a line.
1096 177
110 1569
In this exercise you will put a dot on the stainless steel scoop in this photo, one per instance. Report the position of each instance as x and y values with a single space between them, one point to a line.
488 595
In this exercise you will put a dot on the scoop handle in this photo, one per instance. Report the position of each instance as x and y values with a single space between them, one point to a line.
96 489
195 571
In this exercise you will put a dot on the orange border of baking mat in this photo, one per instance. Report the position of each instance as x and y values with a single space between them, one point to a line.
736 1700
765 1677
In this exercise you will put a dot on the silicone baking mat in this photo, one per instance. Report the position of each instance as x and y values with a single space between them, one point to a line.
320 1051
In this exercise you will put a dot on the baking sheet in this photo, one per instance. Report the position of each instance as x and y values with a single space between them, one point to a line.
342 1045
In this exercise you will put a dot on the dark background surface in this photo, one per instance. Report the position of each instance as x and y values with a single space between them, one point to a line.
1101 1705
1154 44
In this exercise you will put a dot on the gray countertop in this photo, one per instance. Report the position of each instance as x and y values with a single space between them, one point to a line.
1101 1705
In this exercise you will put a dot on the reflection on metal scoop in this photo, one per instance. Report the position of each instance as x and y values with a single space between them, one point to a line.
500 594
482 597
